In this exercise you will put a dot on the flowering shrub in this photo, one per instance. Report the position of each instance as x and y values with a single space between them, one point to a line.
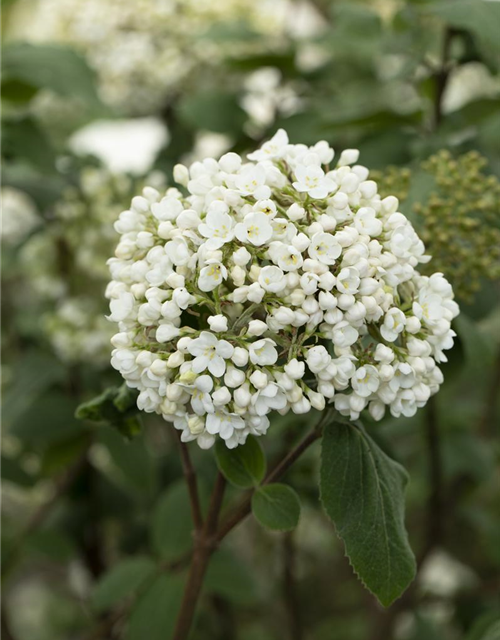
63 262
146 51
275 284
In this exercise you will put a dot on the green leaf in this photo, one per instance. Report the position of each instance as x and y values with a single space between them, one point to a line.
18 92
48 420
421 185
121 581
480 17
362 491
115 406
53 544
49 66
171 524
63 453
13 471
485 627
228 577
155 613
214 111
24 139
136 468
276 506
31 376
43 188
245 466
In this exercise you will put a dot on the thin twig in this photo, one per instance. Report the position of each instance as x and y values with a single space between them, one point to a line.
192 485
205 543
241 511
209 538
442 76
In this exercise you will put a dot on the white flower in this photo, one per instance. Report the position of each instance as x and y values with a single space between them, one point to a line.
211 276
255 229
241 257
394 324
348 280
217 323
263 352
122 307
178 251
257 328
325 248
224 424
344 335
274 148
251 181
266 206
272 279
318 358
288 258
210 353
366 221
217 227
312 180
295 369
271 397
166 332
365 381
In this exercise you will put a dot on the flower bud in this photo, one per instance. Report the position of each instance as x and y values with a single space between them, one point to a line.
295 369
217 323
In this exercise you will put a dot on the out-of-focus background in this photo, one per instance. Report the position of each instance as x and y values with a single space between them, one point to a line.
101 97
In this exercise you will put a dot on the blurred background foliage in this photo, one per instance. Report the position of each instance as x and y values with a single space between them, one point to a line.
103 96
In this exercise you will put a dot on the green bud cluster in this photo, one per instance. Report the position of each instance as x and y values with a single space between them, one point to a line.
461 220
458 220
393 181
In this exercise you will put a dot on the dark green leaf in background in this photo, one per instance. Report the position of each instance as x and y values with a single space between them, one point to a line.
245 466
153 617
122 580
213 111
276 506
480 17
47 420
13 471
171 524
229 577
362 491
136 468
49 66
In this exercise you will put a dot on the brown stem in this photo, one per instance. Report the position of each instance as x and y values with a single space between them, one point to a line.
209 537
205 543
190 475
442 76
292 602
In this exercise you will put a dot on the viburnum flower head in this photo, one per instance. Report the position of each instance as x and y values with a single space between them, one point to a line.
280 283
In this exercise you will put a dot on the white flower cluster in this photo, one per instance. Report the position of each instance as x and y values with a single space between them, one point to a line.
274 284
